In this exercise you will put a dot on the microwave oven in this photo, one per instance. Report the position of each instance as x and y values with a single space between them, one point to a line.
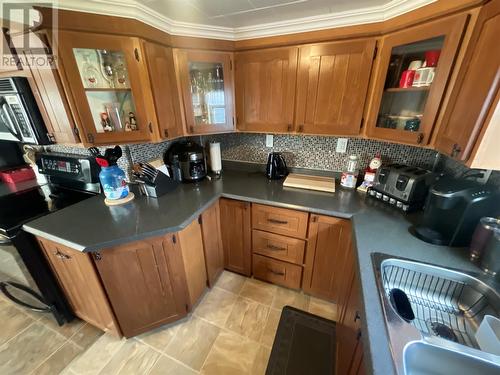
20 118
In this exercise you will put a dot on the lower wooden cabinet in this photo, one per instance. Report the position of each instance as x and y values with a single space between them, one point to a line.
235 220
328 249
76 274
212 242
277 272
145 283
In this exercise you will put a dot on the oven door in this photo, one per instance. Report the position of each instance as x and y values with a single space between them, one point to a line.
15 124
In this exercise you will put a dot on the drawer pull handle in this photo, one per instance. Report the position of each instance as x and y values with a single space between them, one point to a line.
276 272
276 221
61 255
357 316
275 248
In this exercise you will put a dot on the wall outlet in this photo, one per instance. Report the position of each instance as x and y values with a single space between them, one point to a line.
269 140
341 145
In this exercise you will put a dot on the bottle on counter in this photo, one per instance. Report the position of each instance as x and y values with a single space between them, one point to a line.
350 174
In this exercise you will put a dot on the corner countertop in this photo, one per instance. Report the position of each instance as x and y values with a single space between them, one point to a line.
91 225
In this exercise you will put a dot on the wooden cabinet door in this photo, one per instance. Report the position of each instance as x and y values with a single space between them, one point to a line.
265 89
81 285
327 251
331 86
408 114
206 82
145 282
236 230
474 92
109 83
212 243
191 242
160 62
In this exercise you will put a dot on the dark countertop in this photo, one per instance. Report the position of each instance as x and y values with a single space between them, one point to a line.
90 225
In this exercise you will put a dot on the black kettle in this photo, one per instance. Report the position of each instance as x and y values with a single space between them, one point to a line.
276 166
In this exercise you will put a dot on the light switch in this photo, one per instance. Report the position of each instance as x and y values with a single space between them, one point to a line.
341 145
269 140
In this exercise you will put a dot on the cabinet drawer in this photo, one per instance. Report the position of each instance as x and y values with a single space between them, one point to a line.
277 272
277 246
280 220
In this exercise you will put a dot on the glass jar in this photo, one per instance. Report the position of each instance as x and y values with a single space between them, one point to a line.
350 174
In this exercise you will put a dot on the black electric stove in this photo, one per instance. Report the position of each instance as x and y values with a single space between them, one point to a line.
25 276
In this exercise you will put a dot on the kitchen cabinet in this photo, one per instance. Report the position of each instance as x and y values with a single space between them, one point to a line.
407 114
328 251
76 275
145 282
276 271
265 89
206 83
468 132
212 243
109 84
191 242
332 85
235 217
280 220
160 64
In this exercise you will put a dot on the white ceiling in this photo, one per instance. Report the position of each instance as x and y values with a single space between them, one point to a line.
244 19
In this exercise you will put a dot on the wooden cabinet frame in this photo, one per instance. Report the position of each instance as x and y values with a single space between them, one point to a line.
452 28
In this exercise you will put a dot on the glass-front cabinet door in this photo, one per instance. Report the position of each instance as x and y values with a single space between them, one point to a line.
105 78
413 69
206 79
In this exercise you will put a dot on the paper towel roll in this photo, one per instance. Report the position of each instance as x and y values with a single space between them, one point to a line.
215 157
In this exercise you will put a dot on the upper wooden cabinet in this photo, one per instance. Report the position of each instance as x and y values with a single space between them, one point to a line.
467 122
408 114
331 86
160 63
236 224
206 84
265 89
109 83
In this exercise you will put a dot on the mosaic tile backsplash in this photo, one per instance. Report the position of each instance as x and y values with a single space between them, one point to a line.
300 151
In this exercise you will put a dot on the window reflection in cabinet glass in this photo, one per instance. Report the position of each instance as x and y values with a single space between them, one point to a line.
410 74
207 93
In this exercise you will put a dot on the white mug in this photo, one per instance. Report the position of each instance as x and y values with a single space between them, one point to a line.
415 64
424 77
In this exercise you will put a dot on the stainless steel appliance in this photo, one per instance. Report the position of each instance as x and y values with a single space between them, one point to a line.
453 209
186 161
25 277
402 186
20 119
276 166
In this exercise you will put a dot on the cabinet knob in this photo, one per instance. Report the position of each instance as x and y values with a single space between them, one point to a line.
165 133
357 316
420 138
301 128
455 150
97 256
150 126
289 127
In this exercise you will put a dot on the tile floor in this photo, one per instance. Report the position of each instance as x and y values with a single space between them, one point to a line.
231 331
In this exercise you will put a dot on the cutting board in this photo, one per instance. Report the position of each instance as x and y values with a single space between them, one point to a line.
303 181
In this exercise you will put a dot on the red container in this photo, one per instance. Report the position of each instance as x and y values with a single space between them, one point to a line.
432 57
407 78
13 176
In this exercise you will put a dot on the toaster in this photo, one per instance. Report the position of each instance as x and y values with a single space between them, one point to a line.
402 186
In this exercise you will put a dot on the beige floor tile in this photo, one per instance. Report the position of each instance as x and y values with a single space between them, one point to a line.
12 320
159 338
323 308
97 355
258 291
58 361
132 358
167 366
284 296
216 306
67 330
233 355
192 342
232 282
26 351
247 318
270 328
86 336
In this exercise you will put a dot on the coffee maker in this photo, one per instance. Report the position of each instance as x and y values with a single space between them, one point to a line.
453 209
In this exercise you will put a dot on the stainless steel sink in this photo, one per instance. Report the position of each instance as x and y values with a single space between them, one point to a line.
434 312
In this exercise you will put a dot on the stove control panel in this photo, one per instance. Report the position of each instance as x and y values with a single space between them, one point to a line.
73 167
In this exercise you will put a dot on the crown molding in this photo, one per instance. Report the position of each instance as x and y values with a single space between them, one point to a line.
136 10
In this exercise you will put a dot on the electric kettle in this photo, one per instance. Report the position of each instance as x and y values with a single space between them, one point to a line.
276 166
